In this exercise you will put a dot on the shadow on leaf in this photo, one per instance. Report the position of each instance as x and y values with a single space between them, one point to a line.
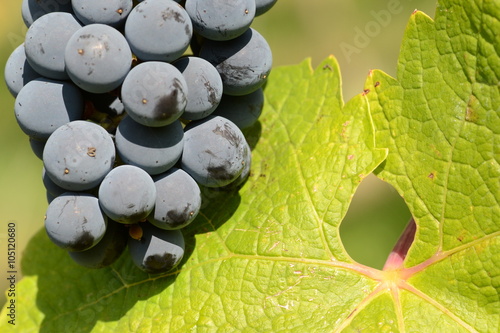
76 299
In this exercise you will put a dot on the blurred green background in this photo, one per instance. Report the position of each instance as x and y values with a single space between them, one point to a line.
361 34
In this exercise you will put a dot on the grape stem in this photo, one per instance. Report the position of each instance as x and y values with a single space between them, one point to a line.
398 254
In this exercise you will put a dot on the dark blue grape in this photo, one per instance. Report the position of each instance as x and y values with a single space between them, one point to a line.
178 200
214 152
110 12
158 251
97 58
127 194
204 86
221 19
18 72
37 147
78 155
153 149
154 93
238 182
50 186
50 197
43 105
263 6
98 78
31 10
74 221
158 30
45 43
243 110
244 63
107 251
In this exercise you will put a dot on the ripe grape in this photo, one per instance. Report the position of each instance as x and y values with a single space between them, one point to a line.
178 200
31 10
97 58
204 86
158 250
50 186
166 85
235 184
110 12
153 149
242 110
214 152
45 42
158 30
127 194
221 19
154 93
262 6
37 147
244 63
78 155
106 251
18 72
75 222
43 105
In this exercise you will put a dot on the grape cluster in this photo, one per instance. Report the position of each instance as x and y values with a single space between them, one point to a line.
134 108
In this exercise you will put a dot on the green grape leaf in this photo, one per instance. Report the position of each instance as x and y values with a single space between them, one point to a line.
440 120
269 258
266 258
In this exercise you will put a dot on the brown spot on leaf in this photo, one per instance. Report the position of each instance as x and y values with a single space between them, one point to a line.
352 313
470 112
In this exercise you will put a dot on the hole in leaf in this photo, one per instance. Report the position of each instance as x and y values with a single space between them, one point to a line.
374 222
